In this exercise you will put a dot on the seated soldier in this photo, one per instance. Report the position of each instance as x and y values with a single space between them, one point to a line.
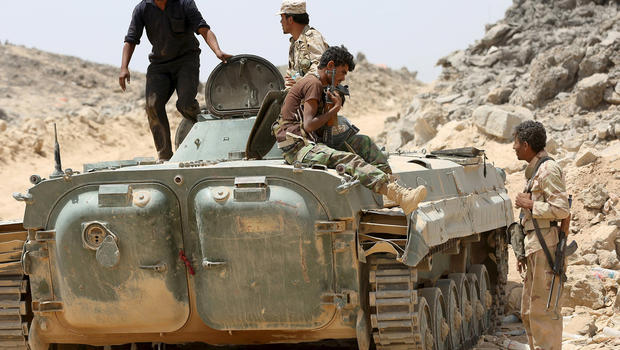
301 116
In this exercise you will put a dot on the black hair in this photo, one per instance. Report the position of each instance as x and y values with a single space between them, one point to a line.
301 18
339 55
533 133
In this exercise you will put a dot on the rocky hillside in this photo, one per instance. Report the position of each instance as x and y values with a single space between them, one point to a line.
557 62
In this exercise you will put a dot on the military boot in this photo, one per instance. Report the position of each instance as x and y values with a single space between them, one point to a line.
406 197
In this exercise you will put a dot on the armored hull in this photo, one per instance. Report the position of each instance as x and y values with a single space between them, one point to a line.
228 244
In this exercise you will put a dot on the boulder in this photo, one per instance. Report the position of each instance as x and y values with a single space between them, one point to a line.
612 38
582 259
499 95
551 146
595 196
590 259
608 259
583 289
583 324
586 156
572 143
553 71
611 96
597 63
612 152
590 90
500 121
495 34
603 237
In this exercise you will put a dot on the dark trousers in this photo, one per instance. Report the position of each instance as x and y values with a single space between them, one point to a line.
162 79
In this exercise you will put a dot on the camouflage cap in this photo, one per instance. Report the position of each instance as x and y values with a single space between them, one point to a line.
293 7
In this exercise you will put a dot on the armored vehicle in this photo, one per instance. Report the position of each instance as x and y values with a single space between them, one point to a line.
227 244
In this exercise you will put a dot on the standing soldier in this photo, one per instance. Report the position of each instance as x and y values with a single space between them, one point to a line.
170 27
303 113
543 203
307 44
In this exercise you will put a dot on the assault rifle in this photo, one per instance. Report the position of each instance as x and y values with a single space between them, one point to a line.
328 101
561 252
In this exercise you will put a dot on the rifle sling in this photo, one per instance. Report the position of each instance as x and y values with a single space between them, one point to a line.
539 235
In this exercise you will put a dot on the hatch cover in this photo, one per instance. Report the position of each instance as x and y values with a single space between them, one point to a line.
238 87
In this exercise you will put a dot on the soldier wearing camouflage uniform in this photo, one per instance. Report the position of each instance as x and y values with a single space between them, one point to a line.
307 43
547 202
303 113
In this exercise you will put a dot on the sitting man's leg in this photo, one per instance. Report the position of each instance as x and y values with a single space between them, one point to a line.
363 146
369 175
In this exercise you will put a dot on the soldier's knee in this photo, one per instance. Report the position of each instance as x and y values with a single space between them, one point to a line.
188 108
153 102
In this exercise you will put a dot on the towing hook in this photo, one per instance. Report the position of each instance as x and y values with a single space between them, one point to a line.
23 197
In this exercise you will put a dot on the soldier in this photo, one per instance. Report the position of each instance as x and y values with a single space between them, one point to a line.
307 44
545 200
303 114
170 27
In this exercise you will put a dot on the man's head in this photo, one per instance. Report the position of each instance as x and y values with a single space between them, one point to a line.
339 59
293 14
529 139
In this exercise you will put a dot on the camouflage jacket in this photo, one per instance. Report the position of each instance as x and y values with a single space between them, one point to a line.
550 202
305 53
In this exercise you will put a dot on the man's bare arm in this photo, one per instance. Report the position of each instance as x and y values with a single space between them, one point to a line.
128 49
310 109
211 40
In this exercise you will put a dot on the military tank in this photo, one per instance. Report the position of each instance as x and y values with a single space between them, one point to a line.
227 244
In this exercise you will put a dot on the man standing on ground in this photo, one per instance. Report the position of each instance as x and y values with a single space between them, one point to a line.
307 44
546 201
175 62
303 113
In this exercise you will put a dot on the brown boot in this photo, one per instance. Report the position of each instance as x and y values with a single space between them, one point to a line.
408 198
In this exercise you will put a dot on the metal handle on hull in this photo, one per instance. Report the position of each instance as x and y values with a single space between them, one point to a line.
157 268
212 264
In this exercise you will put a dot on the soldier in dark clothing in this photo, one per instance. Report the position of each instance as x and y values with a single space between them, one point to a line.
175 62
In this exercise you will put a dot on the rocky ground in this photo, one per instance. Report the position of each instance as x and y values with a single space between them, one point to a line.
557 62
554 61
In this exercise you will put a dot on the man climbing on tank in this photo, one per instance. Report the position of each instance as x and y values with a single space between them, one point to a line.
307 46
170 27
303 113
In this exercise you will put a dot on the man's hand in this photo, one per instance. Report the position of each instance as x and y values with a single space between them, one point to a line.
124 75
335 97
223 56
289 82
524 200
521 266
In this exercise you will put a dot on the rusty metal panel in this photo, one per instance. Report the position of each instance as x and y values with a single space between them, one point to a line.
100 280
263 264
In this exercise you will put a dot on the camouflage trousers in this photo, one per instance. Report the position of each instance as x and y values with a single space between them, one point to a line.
369 175
363 146
542 331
